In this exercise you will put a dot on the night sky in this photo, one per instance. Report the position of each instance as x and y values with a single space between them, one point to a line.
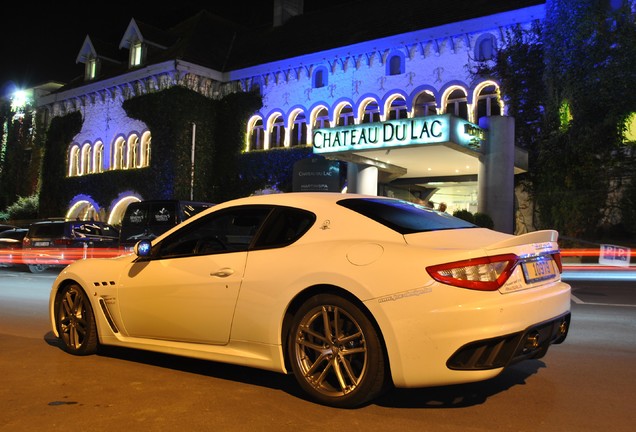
40 43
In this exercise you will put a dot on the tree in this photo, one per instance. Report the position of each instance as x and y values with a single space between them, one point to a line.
569 82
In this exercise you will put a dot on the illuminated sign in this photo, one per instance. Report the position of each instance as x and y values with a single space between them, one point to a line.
316 175
396 133
614 255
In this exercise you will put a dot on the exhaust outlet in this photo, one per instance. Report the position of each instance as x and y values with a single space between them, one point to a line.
563 328
532 341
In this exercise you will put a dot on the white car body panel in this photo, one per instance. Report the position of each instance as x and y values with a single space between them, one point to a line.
186 307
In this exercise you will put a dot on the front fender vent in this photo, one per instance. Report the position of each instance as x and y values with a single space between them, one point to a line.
108 316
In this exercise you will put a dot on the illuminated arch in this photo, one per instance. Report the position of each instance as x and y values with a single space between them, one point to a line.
85 159
318 119
98 157
369 110
146 140
275 132
255 134
455 101
74 161
133 151
486 100
395 107
297 128
119 207
83 207
343 114
119 154
424 102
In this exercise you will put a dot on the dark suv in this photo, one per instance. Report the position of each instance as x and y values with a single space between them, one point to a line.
57 243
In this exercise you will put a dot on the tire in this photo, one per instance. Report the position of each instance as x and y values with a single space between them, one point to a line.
336 355
37 268
75 321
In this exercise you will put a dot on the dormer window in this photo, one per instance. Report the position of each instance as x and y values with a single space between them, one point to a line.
395 64
320 78
136 54
91 69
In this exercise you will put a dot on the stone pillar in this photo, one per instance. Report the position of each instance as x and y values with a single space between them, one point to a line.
496 181
362 179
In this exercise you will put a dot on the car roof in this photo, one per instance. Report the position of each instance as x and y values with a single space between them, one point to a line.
296 199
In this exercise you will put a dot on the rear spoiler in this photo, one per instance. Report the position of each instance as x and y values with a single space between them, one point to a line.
542 240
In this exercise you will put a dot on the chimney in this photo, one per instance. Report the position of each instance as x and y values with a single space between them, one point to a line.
285 9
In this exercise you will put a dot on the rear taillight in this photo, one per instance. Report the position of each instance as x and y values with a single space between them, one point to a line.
557 259
484 274
62 242
26 242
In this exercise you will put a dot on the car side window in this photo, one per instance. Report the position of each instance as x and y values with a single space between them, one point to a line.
230 230
285 226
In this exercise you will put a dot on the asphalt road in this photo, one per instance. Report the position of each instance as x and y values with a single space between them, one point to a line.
584 384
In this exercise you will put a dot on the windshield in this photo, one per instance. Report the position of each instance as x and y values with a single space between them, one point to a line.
403 216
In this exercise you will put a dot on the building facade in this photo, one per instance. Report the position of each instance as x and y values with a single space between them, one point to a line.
396 101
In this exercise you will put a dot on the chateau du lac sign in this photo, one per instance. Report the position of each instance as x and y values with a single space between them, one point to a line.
396 133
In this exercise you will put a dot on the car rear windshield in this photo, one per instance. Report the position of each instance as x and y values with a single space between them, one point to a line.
47 230
403 216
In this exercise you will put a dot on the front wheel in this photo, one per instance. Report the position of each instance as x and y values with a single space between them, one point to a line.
336 354
75 321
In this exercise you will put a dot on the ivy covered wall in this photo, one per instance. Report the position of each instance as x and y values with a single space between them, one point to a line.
169 115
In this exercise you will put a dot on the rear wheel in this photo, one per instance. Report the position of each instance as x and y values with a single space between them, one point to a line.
336 354
37 268
75 321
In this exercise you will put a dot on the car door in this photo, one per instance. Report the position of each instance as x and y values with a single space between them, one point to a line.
187 290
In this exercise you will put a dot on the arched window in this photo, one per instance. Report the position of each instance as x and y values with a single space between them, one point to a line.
119 154
395 65
320 78
85 167
457 104
74 161
488 102
277 133
486 47
425 105
299 130
371 113
257 136
146 139
398 110
98 157
322 119
346 117
134 152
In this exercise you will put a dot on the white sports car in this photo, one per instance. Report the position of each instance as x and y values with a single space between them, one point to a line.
350 293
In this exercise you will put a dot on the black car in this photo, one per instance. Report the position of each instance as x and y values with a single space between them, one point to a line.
60 242
11 246
4 227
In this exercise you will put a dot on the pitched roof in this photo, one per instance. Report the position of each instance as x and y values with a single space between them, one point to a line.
356 22
214 42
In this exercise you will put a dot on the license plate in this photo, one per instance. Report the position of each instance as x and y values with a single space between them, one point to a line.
41 244
539 270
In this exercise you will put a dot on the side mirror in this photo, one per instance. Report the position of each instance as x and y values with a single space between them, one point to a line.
142 248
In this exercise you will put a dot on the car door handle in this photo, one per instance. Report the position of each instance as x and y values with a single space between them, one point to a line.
224 272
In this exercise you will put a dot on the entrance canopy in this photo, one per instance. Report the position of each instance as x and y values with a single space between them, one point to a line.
433 158
416 150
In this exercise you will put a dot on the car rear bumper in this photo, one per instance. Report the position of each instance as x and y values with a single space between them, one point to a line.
442 335
503 351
